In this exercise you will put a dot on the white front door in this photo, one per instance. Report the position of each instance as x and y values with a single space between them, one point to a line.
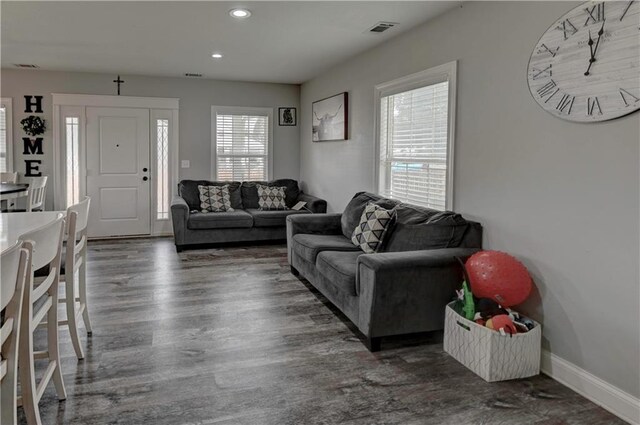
118 171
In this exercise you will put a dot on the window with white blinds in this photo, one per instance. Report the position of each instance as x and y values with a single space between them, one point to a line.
242 143
415 144
6 155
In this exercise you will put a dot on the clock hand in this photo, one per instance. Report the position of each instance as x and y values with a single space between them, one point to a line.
599 36
595 49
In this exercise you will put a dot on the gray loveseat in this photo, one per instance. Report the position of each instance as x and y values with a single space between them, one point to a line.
246 223
403 289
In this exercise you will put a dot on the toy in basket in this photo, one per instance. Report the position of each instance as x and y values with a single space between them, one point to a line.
481 331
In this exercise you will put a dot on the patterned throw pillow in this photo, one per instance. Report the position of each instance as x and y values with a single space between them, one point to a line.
215 198
271 197
374 222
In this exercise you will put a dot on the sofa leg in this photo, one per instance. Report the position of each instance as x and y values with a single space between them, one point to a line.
373 343
294 271
179 248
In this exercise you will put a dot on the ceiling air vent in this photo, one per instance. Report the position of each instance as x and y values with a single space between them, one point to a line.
26 65
192 74
382 27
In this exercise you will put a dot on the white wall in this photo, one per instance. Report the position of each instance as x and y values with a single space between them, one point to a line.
561 196
196 97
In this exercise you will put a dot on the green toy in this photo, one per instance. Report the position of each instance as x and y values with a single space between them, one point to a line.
468 304
469 308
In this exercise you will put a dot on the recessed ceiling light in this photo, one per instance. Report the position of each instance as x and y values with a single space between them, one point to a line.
240 13
216 55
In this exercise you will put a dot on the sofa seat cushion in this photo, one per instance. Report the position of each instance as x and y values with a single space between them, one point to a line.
340 269
272 218
220 220
308 246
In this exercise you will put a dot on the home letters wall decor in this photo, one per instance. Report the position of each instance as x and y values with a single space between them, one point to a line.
33 146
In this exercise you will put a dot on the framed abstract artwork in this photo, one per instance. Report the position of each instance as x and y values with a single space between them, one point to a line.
287 117
331 118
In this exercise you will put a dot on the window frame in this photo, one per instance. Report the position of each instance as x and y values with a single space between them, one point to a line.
240 110
7 102
435 75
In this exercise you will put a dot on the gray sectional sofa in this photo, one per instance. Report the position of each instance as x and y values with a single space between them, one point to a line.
246 223
403 289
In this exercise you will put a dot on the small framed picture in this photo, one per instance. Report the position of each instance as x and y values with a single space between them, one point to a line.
287 117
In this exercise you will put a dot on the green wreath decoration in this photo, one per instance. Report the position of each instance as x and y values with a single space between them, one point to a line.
33 126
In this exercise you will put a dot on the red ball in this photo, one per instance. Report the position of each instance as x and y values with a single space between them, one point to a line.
499 276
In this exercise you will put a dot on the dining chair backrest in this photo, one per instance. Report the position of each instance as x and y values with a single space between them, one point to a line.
82 217
8 177
10 273
13 265
47 243
37 191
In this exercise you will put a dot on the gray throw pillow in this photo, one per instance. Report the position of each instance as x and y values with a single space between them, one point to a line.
214 198
271 197
370 232
353 211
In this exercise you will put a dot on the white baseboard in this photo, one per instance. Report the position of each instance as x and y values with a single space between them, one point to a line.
616 401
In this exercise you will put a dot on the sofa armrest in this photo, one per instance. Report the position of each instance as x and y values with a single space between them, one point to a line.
423 259
407 292
315 204
179 217
321 224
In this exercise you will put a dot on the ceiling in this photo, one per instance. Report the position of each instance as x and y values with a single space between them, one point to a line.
286 42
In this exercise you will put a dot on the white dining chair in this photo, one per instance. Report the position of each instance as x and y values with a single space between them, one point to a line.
75 270
13 266
37 193
7 177
45 244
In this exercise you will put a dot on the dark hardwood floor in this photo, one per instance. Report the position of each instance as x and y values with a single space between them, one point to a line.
229 336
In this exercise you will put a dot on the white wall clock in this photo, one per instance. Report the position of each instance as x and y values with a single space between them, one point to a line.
586 66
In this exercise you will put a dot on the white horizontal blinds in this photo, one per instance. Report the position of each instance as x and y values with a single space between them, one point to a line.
413 145
72 177
242 143
3 139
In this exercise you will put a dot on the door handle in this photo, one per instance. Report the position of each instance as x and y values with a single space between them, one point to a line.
145 178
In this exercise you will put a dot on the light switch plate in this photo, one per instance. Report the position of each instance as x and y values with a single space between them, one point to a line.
185 163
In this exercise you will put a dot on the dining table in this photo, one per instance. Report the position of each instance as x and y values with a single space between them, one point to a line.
13 190
14 224
10 191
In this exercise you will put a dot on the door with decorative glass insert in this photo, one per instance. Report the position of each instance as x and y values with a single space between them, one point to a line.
118 174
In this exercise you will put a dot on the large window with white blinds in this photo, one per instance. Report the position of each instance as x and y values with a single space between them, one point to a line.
6 154
241 148
415 140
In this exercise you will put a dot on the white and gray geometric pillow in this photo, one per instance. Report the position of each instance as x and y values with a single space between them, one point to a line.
374 222
215 198
271 197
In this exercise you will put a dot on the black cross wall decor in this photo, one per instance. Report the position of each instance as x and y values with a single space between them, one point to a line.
118 81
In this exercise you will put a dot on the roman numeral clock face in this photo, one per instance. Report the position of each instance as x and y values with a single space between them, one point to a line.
586 67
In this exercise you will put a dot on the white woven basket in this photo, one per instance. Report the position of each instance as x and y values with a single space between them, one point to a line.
492 356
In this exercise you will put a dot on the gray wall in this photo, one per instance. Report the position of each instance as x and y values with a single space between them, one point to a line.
563 197
196 97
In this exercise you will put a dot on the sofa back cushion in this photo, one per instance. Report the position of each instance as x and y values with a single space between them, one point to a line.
249 192
418 228
188 190
353 211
